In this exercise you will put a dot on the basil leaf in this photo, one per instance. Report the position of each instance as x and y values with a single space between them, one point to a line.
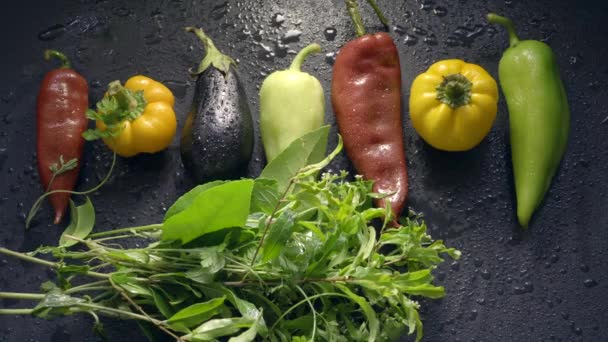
214 209
308 149
278 234
186 199
81 223
195 314
265 196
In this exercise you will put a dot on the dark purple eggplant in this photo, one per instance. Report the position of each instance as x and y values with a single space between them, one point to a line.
217 139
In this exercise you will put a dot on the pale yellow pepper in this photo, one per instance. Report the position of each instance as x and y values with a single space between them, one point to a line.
453 105
151 126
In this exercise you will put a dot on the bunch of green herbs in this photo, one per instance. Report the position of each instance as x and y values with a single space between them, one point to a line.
289 256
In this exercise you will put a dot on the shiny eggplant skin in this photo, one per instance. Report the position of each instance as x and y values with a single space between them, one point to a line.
217 139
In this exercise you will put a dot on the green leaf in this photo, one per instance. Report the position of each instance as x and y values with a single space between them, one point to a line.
249 334
186 199
308 149
162 304
368 311
81 223
278 234
217 208
195 314
265 196
56 304
212 259
219 327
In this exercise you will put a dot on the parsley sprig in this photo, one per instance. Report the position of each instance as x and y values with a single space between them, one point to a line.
117 106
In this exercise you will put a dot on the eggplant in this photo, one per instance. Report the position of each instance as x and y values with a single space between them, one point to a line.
217 138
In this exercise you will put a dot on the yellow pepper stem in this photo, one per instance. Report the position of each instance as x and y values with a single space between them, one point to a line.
125 98
455 90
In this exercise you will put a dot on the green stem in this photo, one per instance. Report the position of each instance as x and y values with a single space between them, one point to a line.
296 65
88 287
355 15
38 202
304 301
124 96
455 90
379 13
120 313
27 258
39 261
213 56
156 226
507 24
16 311
18 295
65 62
268 222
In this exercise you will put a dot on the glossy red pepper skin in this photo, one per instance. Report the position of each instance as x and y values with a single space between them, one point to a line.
62 102
366 97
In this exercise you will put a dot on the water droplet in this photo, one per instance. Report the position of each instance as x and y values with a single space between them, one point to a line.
291 36
179 88
455 266
430 40
280 49
508 3
410 40
419 31
153 38
95 84
330 33
277 20
440 11
400 30
485 274
584 268
121 11
426 5
330 58
52 33
575 60
3 157
590 283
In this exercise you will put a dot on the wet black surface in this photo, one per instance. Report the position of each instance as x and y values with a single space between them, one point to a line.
547 284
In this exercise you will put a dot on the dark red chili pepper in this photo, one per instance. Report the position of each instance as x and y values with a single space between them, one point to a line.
366 97
62 102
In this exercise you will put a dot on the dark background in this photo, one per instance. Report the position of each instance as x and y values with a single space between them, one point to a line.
546 284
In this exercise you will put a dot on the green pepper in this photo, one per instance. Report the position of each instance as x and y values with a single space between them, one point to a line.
291 104
539 117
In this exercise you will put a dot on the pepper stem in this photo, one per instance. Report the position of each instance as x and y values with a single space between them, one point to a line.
455 90
506 23
355 15
213 57
65 62
123 95
379 13
296 65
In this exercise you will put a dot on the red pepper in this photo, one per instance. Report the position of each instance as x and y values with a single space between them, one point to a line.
62 102
366 97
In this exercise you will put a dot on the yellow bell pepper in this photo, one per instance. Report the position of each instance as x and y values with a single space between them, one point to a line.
453 105
136 118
